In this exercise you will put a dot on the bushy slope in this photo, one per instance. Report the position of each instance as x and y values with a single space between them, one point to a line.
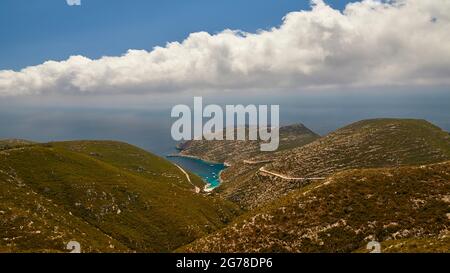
368 143
137 201
245 158
6 144
132 159
342 214
234 152
30 222
438 244
364 144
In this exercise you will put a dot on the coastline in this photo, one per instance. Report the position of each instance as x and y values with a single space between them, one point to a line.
196 157
208 190
226 164
207 186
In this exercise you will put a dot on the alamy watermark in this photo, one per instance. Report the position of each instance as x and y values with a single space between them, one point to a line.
190 123
74 247
73 2
374 246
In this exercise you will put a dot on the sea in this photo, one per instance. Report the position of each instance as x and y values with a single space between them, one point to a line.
208 171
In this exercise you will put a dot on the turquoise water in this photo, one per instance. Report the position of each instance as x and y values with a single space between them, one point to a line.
209 172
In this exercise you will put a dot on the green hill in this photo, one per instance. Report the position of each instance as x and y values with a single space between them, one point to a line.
365 144
245 158
235 151
109 196
404 208
368 143
6 144
383 179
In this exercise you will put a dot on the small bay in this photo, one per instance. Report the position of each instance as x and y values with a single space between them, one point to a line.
208 171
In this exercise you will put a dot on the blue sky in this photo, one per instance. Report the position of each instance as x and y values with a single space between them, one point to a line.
34 31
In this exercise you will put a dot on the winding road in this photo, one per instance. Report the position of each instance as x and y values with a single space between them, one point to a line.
282 176
197 189
250 162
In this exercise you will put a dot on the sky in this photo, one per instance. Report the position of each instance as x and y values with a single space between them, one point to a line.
320 46
112 69
34 31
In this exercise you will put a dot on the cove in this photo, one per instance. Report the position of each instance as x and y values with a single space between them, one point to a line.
208 171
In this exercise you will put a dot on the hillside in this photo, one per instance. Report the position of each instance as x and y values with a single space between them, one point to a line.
404 208
234 152
109 196
365 144
6 144
245 158
368 143
376 179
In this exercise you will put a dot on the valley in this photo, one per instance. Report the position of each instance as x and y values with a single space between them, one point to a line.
109 196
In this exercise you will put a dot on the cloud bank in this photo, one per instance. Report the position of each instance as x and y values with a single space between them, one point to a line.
370 43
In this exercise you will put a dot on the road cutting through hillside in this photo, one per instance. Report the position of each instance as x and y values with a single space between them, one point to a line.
197 189
282 176
250 162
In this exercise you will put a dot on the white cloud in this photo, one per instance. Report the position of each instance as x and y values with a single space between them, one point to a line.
73 2
372 43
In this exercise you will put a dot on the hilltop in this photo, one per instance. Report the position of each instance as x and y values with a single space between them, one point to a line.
109 196
368 143
234 152
404 208
365 144
6 144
